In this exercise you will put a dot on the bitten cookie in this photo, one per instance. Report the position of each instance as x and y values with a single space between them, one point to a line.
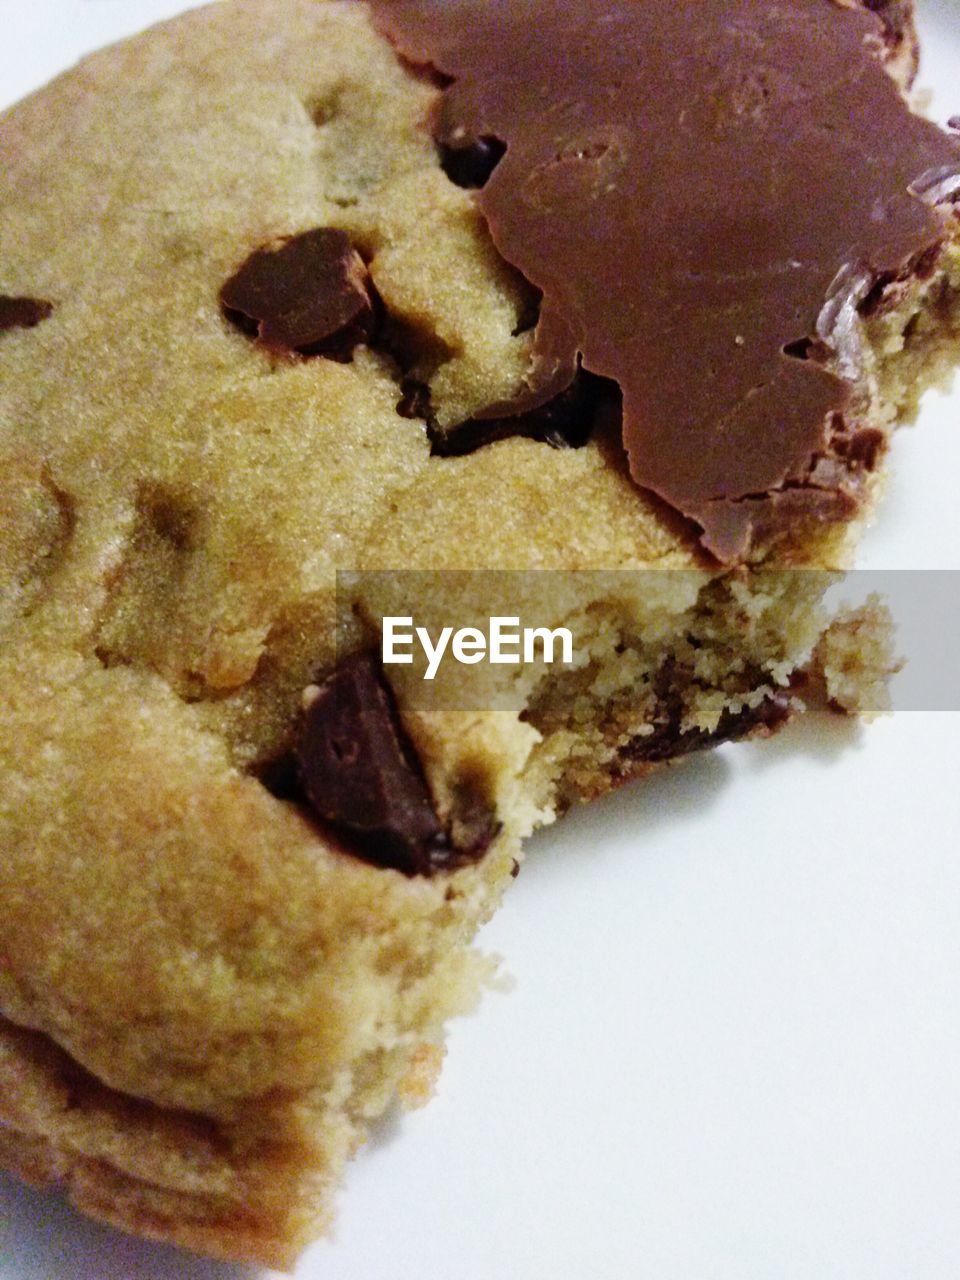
489 308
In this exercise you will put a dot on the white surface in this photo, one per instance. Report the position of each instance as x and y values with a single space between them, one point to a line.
733 1051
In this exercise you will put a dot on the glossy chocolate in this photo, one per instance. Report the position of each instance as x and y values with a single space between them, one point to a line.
690 185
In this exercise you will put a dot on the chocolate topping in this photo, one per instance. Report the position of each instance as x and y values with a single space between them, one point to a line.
22 313
310 294
360 774
696 188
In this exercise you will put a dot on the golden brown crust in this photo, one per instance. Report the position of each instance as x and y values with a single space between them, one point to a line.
161 1174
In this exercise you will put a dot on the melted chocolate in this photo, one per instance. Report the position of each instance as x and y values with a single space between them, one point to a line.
23 313
690 185
310 294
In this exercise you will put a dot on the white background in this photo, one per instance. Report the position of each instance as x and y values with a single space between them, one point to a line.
733 1050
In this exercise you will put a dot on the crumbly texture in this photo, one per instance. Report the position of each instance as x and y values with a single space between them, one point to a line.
206 999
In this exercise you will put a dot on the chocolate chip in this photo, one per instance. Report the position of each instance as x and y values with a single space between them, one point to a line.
470 164
359 772
280 775
414 400
863 449
669 742
354 766
22 313
311 294
564 422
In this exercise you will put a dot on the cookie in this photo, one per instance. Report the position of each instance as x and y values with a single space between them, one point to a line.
317 313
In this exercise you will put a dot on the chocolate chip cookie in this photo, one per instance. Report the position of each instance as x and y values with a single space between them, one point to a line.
319 312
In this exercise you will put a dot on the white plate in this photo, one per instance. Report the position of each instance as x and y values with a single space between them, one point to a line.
733 1050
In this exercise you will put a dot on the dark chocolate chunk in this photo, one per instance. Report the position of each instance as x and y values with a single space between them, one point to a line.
310 294
565 422
862 450
22 313
684 183
669 742
360 773
470 163
414 400
280 774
